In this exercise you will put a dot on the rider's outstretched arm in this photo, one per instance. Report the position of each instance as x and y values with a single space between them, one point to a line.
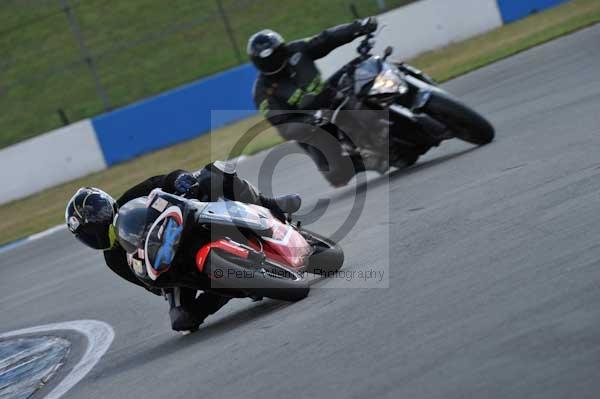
324 43
165 182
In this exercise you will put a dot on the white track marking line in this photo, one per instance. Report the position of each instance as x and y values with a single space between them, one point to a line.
15 244
18 366
46 233
99 337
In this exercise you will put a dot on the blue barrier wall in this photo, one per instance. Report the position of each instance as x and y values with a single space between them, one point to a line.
513 10
176 115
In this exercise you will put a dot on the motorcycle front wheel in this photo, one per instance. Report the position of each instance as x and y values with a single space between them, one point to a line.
327 256
464 122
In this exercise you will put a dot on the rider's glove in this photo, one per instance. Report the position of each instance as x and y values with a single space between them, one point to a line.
187 185
368 25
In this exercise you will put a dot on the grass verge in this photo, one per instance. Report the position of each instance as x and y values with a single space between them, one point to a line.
139 48
460 58
40 211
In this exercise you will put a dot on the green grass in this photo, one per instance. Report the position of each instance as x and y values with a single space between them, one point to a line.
43 210
140 48
471 54
46 209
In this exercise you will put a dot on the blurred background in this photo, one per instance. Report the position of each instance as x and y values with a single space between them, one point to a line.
492 252
106 93
65 60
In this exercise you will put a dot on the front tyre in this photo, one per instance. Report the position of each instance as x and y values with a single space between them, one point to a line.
327 255
465 123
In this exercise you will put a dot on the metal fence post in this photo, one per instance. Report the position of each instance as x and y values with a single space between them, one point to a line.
354 11
86 54
230 32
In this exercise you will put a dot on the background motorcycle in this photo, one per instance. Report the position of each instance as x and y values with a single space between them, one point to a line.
226 247
421 114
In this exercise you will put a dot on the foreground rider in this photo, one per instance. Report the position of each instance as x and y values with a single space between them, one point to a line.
90 214
289 80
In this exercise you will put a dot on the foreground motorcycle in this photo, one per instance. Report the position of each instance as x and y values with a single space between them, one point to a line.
420 114
226 247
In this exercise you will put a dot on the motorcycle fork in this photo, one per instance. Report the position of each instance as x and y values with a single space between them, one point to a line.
418 129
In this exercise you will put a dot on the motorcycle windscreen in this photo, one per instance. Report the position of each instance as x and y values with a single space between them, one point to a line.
233 213
365 74
131 224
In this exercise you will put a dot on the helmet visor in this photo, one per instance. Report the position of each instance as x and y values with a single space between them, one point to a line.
271 61
97 208
133 223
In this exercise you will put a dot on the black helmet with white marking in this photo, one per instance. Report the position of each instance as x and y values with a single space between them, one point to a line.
89 216
267 51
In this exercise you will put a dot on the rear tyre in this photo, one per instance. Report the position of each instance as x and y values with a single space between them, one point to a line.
465 123
327 257
226 274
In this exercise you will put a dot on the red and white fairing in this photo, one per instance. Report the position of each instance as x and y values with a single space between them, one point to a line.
283 245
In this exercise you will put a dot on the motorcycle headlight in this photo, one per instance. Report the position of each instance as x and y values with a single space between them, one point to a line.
389 82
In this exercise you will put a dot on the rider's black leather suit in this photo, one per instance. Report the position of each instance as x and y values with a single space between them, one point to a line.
299 86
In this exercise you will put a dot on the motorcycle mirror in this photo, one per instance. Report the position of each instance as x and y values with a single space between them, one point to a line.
388 51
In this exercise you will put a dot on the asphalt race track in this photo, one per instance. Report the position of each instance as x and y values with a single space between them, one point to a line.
490 257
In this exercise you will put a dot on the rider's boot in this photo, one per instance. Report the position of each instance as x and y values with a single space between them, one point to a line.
280 206
374 161
181 319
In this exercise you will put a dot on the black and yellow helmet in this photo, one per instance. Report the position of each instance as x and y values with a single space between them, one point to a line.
89 216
